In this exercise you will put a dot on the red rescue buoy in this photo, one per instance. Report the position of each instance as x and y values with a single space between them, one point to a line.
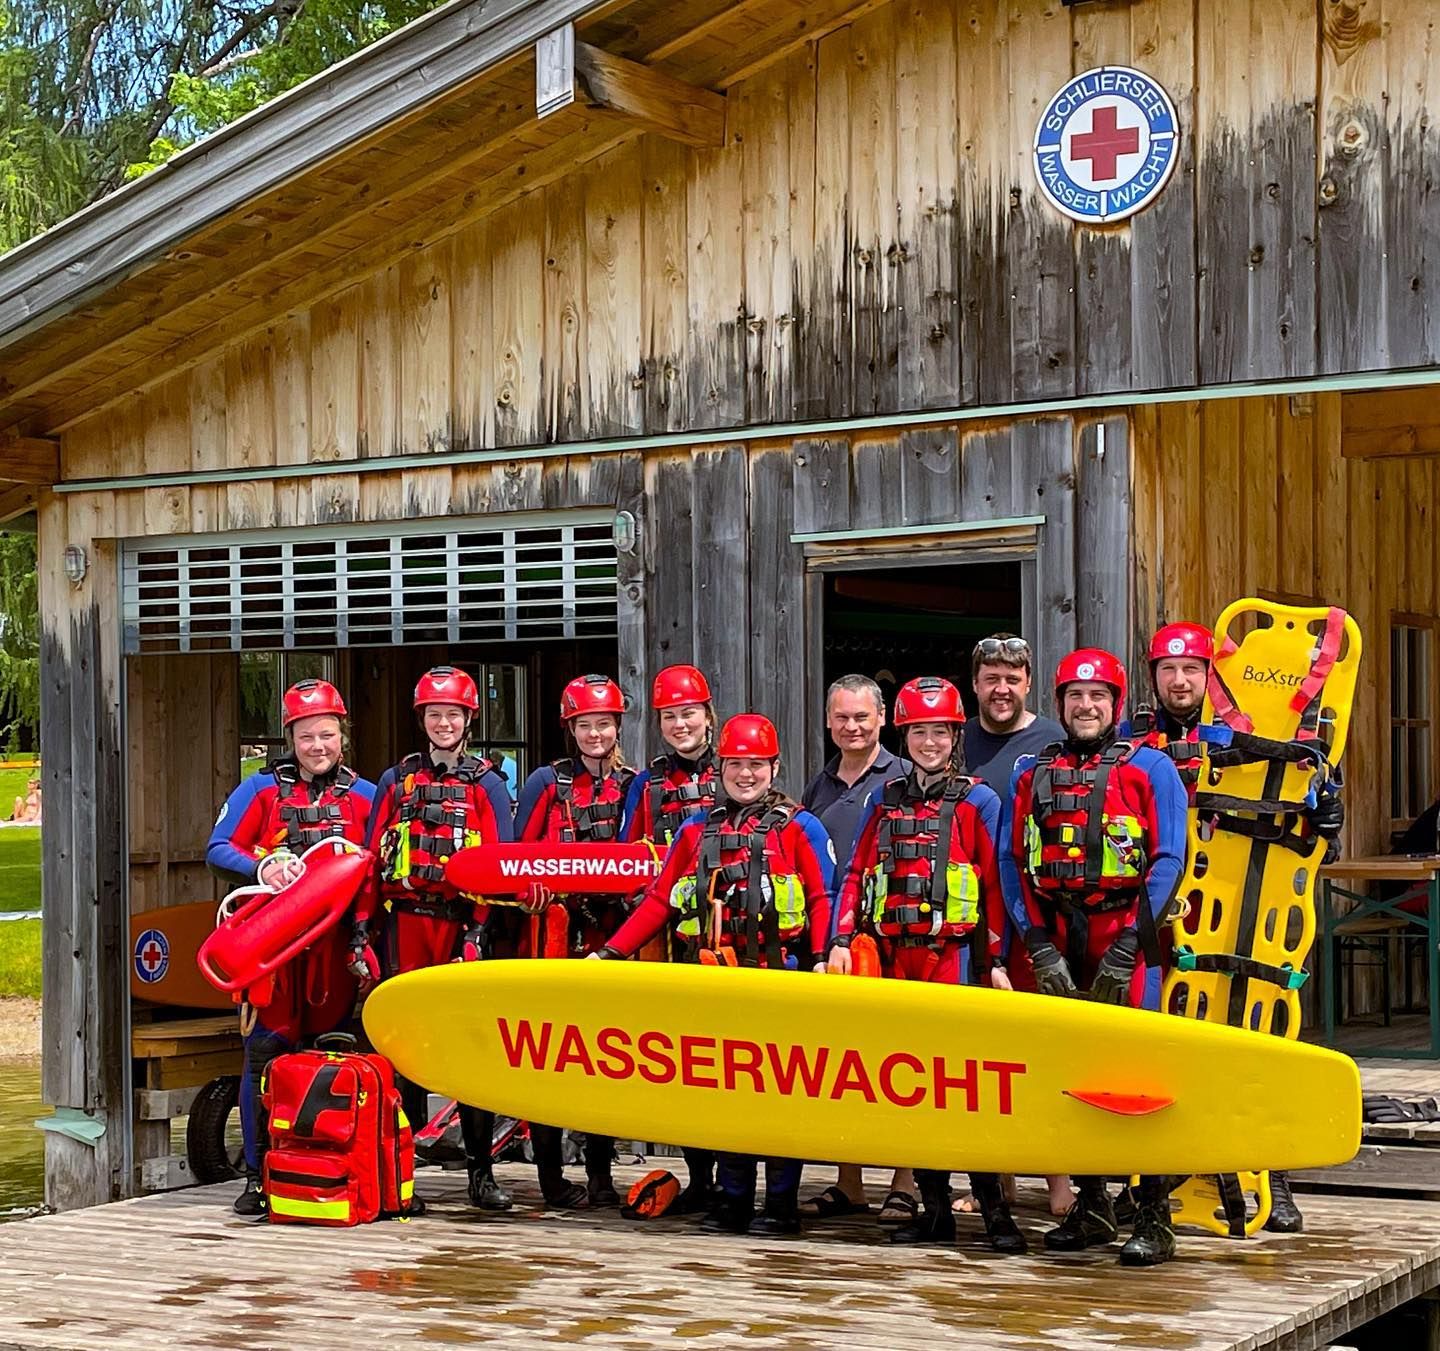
260 930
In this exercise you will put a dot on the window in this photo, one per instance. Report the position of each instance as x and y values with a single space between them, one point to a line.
1411 702
500 727
264 678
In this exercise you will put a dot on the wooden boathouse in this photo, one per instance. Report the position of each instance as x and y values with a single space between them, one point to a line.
557 335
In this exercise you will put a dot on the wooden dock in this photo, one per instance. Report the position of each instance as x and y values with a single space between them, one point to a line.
179 1270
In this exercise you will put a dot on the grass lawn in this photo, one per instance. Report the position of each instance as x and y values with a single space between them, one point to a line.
20 868
20 958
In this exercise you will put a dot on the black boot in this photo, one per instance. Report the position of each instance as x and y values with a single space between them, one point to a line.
779 1219
730 1215
700 1192
251 1203
936 1221
1088 1223
558 1192
599 1184
486 1193
1000 1227
1153 1241
1285 1216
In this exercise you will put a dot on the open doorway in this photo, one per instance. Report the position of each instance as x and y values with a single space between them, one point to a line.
893 624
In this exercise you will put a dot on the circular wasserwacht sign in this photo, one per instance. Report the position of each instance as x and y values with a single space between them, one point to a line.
1106 145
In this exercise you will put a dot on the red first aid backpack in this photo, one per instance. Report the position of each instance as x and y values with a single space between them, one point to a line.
341 1151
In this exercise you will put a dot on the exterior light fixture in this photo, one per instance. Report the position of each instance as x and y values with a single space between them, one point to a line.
75 562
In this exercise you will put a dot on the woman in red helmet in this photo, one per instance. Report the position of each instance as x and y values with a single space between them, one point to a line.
923 880
304 797
680 782
755 837
662 797
431 804
577 799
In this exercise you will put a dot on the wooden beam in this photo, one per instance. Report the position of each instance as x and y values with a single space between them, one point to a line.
29 459
1388 423
17 501
566 69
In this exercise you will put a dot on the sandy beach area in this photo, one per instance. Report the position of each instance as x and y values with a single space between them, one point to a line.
19 1029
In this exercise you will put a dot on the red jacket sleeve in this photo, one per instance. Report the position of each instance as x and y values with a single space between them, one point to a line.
1016 844
653 913
980 849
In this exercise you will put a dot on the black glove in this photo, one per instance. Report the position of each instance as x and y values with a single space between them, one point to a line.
1327 816
1117 968
1052 975
363 962
608 954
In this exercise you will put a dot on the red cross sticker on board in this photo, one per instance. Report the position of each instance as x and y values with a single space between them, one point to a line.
152 954
1104 143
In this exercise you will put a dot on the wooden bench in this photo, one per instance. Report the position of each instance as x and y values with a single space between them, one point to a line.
173 1061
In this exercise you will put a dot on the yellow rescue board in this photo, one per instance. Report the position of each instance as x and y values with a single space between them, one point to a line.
864 1071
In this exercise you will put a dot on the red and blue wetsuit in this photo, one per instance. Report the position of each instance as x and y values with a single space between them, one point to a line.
426 810
935 910
719 855
315 993
1094 845
565 803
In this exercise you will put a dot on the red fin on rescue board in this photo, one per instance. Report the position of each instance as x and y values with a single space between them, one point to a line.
1121 1104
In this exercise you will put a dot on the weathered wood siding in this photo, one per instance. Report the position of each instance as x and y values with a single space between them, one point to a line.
870 240
1258 497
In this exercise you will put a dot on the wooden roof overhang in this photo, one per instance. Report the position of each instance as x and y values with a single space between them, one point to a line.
395 148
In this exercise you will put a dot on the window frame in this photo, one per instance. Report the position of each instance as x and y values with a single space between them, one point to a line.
1430 626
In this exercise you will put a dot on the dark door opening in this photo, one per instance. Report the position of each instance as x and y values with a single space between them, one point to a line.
893 624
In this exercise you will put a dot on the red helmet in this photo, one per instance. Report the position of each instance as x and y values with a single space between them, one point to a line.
928 699
309 699
1092 663
590 694
748 736
446 685
676 686
1182 640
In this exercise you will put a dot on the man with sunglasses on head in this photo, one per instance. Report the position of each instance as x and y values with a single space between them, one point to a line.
1000 669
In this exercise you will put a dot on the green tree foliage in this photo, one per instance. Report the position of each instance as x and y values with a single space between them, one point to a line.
19 643
90 88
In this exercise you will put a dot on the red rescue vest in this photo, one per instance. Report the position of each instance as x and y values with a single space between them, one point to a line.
922 884
587 810
1185 751
298 820
674 795
744 893
1083 841
439 814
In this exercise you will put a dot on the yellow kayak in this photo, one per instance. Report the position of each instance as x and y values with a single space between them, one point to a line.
865 1071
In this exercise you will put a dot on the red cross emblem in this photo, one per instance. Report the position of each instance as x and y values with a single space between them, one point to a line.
151 955
1104 143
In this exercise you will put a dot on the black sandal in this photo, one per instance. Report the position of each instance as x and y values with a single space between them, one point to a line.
903 1202
831 1204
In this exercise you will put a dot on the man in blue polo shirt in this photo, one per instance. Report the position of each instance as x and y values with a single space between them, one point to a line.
854 715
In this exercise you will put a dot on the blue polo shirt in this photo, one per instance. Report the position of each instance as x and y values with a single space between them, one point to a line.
838 803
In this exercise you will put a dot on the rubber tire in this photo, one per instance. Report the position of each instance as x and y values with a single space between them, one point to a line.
205 1149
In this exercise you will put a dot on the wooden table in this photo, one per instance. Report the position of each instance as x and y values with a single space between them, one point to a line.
1381 920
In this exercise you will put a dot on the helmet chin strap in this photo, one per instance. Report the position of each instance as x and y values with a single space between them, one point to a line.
1091 745
449 757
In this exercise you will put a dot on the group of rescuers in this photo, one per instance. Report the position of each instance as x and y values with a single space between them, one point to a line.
1061 882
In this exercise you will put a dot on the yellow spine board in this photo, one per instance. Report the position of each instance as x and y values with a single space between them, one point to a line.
1274 648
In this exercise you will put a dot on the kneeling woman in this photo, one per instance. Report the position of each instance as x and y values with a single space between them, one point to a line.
757 840
301 799
924 881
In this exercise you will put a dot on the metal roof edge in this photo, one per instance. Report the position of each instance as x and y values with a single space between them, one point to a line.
102 244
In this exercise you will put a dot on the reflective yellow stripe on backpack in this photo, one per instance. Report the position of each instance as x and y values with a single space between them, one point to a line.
310 1210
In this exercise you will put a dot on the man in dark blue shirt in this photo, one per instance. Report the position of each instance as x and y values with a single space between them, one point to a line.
1005 730
854 715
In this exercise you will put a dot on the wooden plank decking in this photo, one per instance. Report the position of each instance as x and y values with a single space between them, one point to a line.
180 1271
